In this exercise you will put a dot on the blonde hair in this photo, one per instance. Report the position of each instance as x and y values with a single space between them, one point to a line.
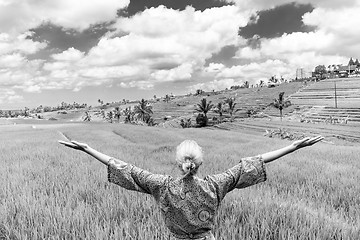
189 156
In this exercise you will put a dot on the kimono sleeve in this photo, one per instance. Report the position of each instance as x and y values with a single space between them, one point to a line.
252 172
248 172
133 178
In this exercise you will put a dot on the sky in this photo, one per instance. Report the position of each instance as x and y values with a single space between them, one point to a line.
54 51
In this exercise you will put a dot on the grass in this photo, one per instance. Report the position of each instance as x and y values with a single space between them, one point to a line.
51 192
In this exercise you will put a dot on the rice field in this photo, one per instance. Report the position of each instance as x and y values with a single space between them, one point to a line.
52 192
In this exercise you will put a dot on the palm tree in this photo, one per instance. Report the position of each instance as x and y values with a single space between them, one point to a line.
117 113
261 83
204 107
110 117
246 84
87 117
281 104
220 110
129 115
143 110
231 104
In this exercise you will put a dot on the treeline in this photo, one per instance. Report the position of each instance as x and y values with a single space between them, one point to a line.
27 112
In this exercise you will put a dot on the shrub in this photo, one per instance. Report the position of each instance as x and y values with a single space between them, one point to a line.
201 120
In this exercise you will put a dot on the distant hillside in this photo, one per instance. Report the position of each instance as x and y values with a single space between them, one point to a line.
257 99
246 98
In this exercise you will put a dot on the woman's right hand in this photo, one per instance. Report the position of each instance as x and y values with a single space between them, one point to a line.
75 145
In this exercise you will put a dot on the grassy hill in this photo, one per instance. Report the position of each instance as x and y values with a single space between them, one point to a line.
246 98
184 106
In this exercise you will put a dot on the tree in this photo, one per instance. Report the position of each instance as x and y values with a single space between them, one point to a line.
117 113
231 107
273 79
143 110
102 114
201 120
280 103
185 123
199 91
100 101
26 112
220 110
261 83
246 84
204 107
87 117
110 117
320 71
129 115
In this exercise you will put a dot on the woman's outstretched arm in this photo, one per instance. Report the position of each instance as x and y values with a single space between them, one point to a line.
271 156
103 158
123 174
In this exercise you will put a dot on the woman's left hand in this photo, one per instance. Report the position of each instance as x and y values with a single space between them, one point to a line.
307 142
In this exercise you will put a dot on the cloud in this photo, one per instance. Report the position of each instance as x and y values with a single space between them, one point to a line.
333 41
182 72
21 44
9 96
254 72
78 14
70 55
339 25
289 47
144 85
214 68
148 54
259 5
165 45
181 41
216 85
14 60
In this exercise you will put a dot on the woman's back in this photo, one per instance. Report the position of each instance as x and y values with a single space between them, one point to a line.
188 206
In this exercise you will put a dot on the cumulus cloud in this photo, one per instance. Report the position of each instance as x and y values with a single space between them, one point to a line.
148 54
254 72
292 48
9 96
215 85
214 68
337 24
333 41
163 45
70 55
181 72
144 85
21 44
78 14
259 5
179 41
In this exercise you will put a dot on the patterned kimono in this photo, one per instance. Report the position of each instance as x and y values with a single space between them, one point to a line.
189 205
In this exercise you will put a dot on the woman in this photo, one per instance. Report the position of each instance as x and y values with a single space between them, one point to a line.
189 204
